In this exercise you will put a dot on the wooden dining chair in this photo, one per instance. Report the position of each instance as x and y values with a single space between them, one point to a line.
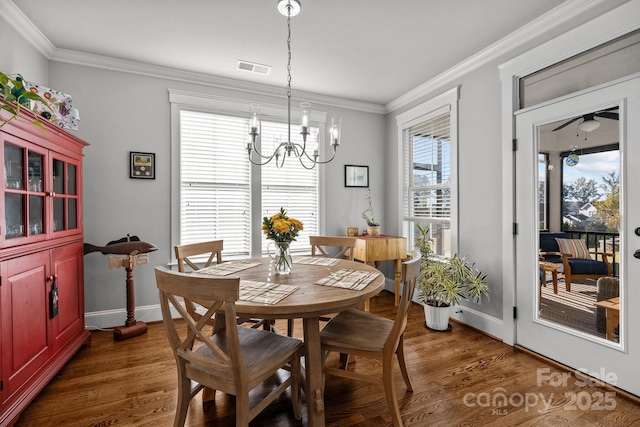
361 333
235 359
345 245
186 254
190 258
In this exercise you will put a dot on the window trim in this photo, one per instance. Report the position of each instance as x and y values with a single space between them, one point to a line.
180 100
445 102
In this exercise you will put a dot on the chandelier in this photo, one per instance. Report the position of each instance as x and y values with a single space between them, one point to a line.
288 148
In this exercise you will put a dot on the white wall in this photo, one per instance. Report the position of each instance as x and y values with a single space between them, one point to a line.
17 56
123 112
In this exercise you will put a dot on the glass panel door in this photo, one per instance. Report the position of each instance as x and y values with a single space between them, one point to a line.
35 185
557 302
65 195
14 199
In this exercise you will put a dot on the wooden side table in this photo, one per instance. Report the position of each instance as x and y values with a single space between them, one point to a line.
551 267
612 310
373 249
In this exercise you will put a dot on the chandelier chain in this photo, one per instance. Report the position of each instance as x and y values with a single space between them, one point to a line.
289 50
288 147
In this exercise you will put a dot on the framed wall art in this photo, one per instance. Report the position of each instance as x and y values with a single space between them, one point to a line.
143 165
356 176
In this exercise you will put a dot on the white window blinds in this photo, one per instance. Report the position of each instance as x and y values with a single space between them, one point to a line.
292 187
217 189
427 170
215 192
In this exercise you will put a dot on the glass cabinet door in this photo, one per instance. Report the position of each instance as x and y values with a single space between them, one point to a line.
24 196
65 195
14 200
35 186
41 193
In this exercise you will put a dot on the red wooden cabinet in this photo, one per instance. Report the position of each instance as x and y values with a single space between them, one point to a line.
41 259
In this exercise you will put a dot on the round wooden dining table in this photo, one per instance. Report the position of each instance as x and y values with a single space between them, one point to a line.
308 302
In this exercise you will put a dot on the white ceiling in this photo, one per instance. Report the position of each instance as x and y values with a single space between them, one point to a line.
371 51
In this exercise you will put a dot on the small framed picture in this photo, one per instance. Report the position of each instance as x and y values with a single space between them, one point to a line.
356 176
143 165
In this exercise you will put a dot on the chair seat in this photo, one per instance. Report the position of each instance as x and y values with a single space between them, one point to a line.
357 330
587 266
261 350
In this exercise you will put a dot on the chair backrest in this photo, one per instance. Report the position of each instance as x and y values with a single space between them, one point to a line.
409 276
548 242
183 252
218 292
319 245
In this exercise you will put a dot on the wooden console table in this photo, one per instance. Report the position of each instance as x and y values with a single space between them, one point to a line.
373 249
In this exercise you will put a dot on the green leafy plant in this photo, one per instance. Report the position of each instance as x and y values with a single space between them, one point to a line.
15 97
446 281
368 214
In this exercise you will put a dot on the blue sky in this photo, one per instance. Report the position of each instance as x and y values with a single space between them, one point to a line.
593 166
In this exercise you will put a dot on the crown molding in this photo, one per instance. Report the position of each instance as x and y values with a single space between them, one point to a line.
544 23
18 20
156 71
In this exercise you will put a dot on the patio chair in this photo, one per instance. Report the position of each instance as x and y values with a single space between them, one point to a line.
577 261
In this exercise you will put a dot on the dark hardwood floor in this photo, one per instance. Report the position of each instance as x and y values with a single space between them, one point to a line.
459 377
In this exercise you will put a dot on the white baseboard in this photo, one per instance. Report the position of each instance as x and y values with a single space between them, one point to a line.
488 324
107 319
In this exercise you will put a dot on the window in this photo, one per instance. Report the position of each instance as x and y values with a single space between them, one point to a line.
215 181
292 187
428 138
217 188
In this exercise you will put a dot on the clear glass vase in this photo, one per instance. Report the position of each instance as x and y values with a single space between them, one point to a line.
281 258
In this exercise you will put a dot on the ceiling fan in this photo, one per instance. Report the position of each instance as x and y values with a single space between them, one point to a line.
589 122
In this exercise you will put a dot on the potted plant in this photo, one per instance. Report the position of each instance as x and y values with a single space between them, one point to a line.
373 228
444 282
15 97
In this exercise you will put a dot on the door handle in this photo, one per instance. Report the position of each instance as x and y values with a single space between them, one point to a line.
637 254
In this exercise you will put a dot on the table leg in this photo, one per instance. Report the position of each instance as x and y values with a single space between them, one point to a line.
554 274
398 271
613 319
313 369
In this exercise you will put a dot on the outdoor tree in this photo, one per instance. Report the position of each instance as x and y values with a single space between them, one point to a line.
609 207
583 190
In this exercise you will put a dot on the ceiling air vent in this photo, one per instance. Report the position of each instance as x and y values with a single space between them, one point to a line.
253 67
